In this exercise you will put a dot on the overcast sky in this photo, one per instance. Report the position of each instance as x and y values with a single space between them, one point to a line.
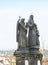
9 12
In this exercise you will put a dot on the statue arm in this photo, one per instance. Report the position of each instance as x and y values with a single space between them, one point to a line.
29 25
24 27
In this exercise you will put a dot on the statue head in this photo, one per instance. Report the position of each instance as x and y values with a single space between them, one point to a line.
31 17
31 21
22 20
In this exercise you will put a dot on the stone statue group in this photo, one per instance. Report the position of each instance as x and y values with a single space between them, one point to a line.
27 34
28 42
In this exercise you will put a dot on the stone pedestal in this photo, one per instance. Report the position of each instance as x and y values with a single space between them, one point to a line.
20 61
32 59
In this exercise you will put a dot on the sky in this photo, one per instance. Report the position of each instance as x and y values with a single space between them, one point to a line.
10 10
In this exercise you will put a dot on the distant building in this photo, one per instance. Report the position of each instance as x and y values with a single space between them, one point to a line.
7 52
7 60
45 53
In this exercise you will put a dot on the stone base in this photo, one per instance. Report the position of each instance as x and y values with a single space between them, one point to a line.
21 56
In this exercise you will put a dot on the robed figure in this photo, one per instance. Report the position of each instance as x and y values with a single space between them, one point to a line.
21 33
33 36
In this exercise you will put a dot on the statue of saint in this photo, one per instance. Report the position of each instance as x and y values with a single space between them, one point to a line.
33 36
21 34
